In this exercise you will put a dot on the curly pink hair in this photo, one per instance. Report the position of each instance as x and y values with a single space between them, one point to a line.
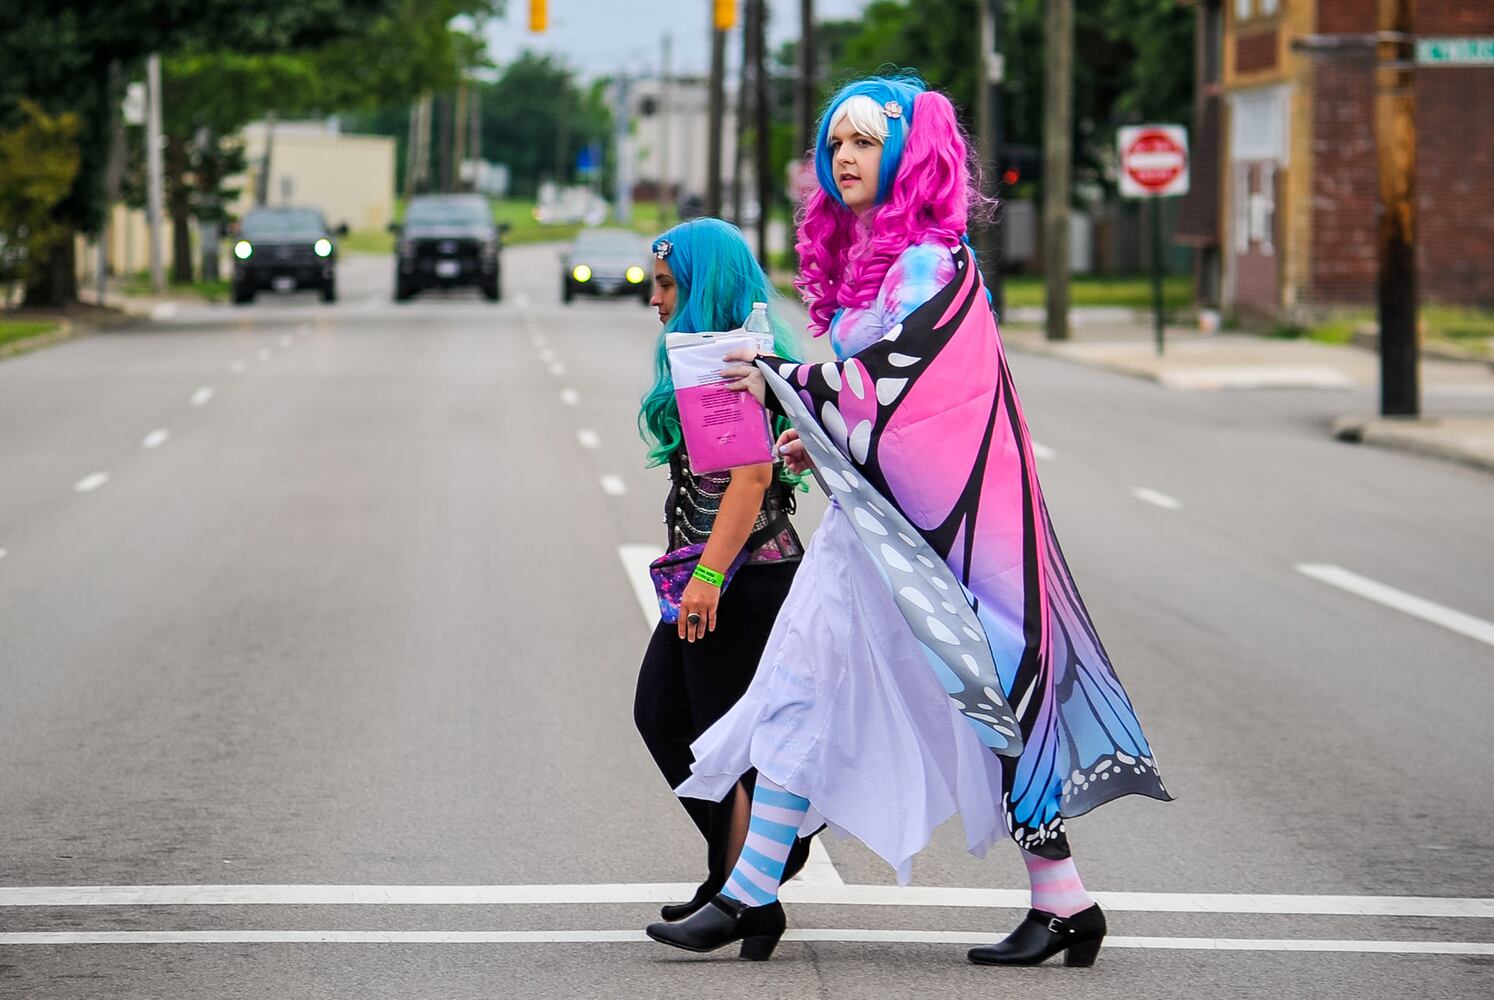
842 260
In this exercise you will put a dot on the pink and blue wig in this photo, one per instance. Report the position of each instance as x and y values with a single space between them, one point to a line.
926 189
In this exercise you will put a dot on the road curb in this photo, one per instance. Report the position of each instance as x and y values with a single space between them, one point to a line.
1468 442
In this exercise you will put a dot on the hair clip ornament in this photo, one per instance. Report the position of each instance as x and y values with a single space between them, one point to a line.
892 109
663 249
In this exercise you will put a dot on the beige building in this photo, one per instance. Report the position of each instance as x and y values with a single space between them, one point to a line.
349 177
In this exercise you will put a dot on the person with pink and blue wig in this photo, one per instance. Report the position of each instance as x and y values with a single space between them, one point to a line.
933 655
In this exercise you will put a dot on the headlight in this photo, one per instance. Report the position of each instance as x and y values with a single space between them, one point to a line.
323 247
242 249
581 273
635 274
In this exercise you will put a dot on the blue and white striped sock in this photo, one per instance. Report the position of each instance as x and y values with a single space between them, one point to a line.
776 816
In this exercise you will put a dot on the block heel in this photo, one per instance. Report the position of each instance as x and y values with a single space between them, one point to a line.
1043 935
759 949
1082 955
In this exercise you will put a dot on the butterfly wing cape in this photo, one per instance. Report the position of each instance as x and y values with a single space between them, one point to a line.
921 440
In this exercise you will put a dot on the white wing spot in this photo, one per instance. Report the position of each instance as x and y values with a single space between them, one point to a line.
895 559
835 480
860 440
911 542
902 360
831 374
894 333
939 583
941 631
867 521
917 598
888 389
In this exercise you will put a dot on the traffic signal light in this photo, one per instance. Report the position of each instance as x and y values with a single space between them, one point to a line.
726 14
538 15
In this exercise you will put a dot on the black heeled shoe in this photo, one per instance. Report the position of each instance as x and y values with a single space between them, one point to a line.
798 856
722 921
703 894
1042 935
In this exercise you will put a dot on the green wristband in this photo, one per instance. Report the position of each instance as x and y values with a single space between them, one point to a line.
707 575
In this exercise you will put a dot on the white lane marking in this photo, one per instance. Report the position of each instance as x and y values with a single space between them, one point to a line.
522 300
1416 607
635 560
819 870
2 553
286 340
588 438
1157 499
557 369
163 310
793 934
263 354
1044 452
91 482
613 486
237 367
570 397
155 438
202 395
547 356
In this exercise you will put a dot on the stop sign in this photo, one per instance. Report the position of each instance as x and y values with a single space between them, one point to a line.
1154 160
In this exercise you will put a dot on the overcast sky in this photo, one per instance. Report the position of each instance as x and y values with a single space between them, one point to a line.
599 37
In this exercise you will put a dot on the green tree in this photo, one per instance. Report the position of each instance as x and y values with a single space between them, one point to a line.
536 120
66 56
38 161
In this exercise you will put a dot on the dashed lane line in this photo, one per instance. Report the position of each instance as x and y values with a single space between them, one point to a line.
1399 600
1442 907
587 438
570 397
237 367
613 486
1044 452
155 438
263 354
202 396
557 369
91 482
1146 495
824 935
286 340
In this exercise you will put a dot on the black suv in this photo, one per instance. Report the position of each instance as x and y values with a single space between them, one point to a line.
447 240
285 249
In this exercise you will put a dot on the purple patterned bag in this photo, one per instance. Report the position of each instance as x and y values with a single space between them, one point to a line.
671 572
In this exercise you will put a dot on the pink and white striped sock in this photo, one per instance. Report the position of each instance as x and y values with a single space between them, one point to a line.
1056 887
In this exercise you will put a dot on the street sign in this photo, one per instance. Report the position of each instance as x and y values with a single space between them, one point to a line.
1153 160
134 104
1455 51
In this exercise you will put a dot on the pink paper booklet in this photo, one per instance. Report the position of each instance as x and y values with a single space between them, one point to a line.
723 429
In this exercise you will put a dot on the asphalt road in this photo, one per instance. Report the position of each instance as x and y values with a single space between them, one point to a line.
317 618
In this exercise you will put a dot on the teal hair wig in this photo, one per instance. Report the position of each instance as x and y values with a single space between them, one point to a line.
716 280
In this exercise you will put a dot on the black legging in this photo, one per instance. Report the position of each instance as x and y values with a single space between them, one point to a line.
684 687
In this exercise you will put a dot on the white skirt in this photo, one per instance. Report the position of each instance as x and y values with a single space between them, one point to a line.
846 711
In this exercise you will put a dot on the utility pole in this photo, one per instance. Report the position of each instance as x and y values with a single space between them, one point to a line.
761 124
989 68
744 112
113 177
153 169
717 108
1058 133
1395 136
805 103
622 119
664 126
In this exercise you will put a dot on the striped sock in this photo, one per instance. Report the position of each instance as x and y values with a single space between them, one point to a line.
1056 888
776 815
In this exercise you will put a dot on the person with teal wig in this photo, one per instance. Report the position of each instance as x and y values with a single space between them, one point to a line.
706 280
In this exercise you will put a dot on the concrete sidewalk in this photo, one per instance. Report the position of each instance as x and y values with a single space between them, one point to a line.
1195 361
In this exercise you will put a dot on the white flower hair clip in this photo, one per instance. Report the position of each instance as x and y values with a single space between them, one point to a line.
662 249
892 109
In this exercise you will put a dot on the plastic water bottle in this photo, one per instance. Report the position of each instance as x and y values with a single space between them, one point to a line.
758 326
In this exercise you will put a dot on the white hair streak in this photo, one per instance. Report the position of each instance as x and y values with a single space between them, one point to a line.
864 114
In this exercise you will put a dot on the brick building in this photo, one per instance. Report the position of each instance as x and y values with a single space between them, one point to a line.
1285 179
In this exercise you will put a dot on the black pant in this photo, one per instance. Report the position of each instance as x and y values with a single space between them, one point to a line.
683 687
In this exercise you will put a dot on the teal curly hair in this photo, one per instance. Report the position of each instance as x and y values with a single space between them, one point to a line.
717 279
